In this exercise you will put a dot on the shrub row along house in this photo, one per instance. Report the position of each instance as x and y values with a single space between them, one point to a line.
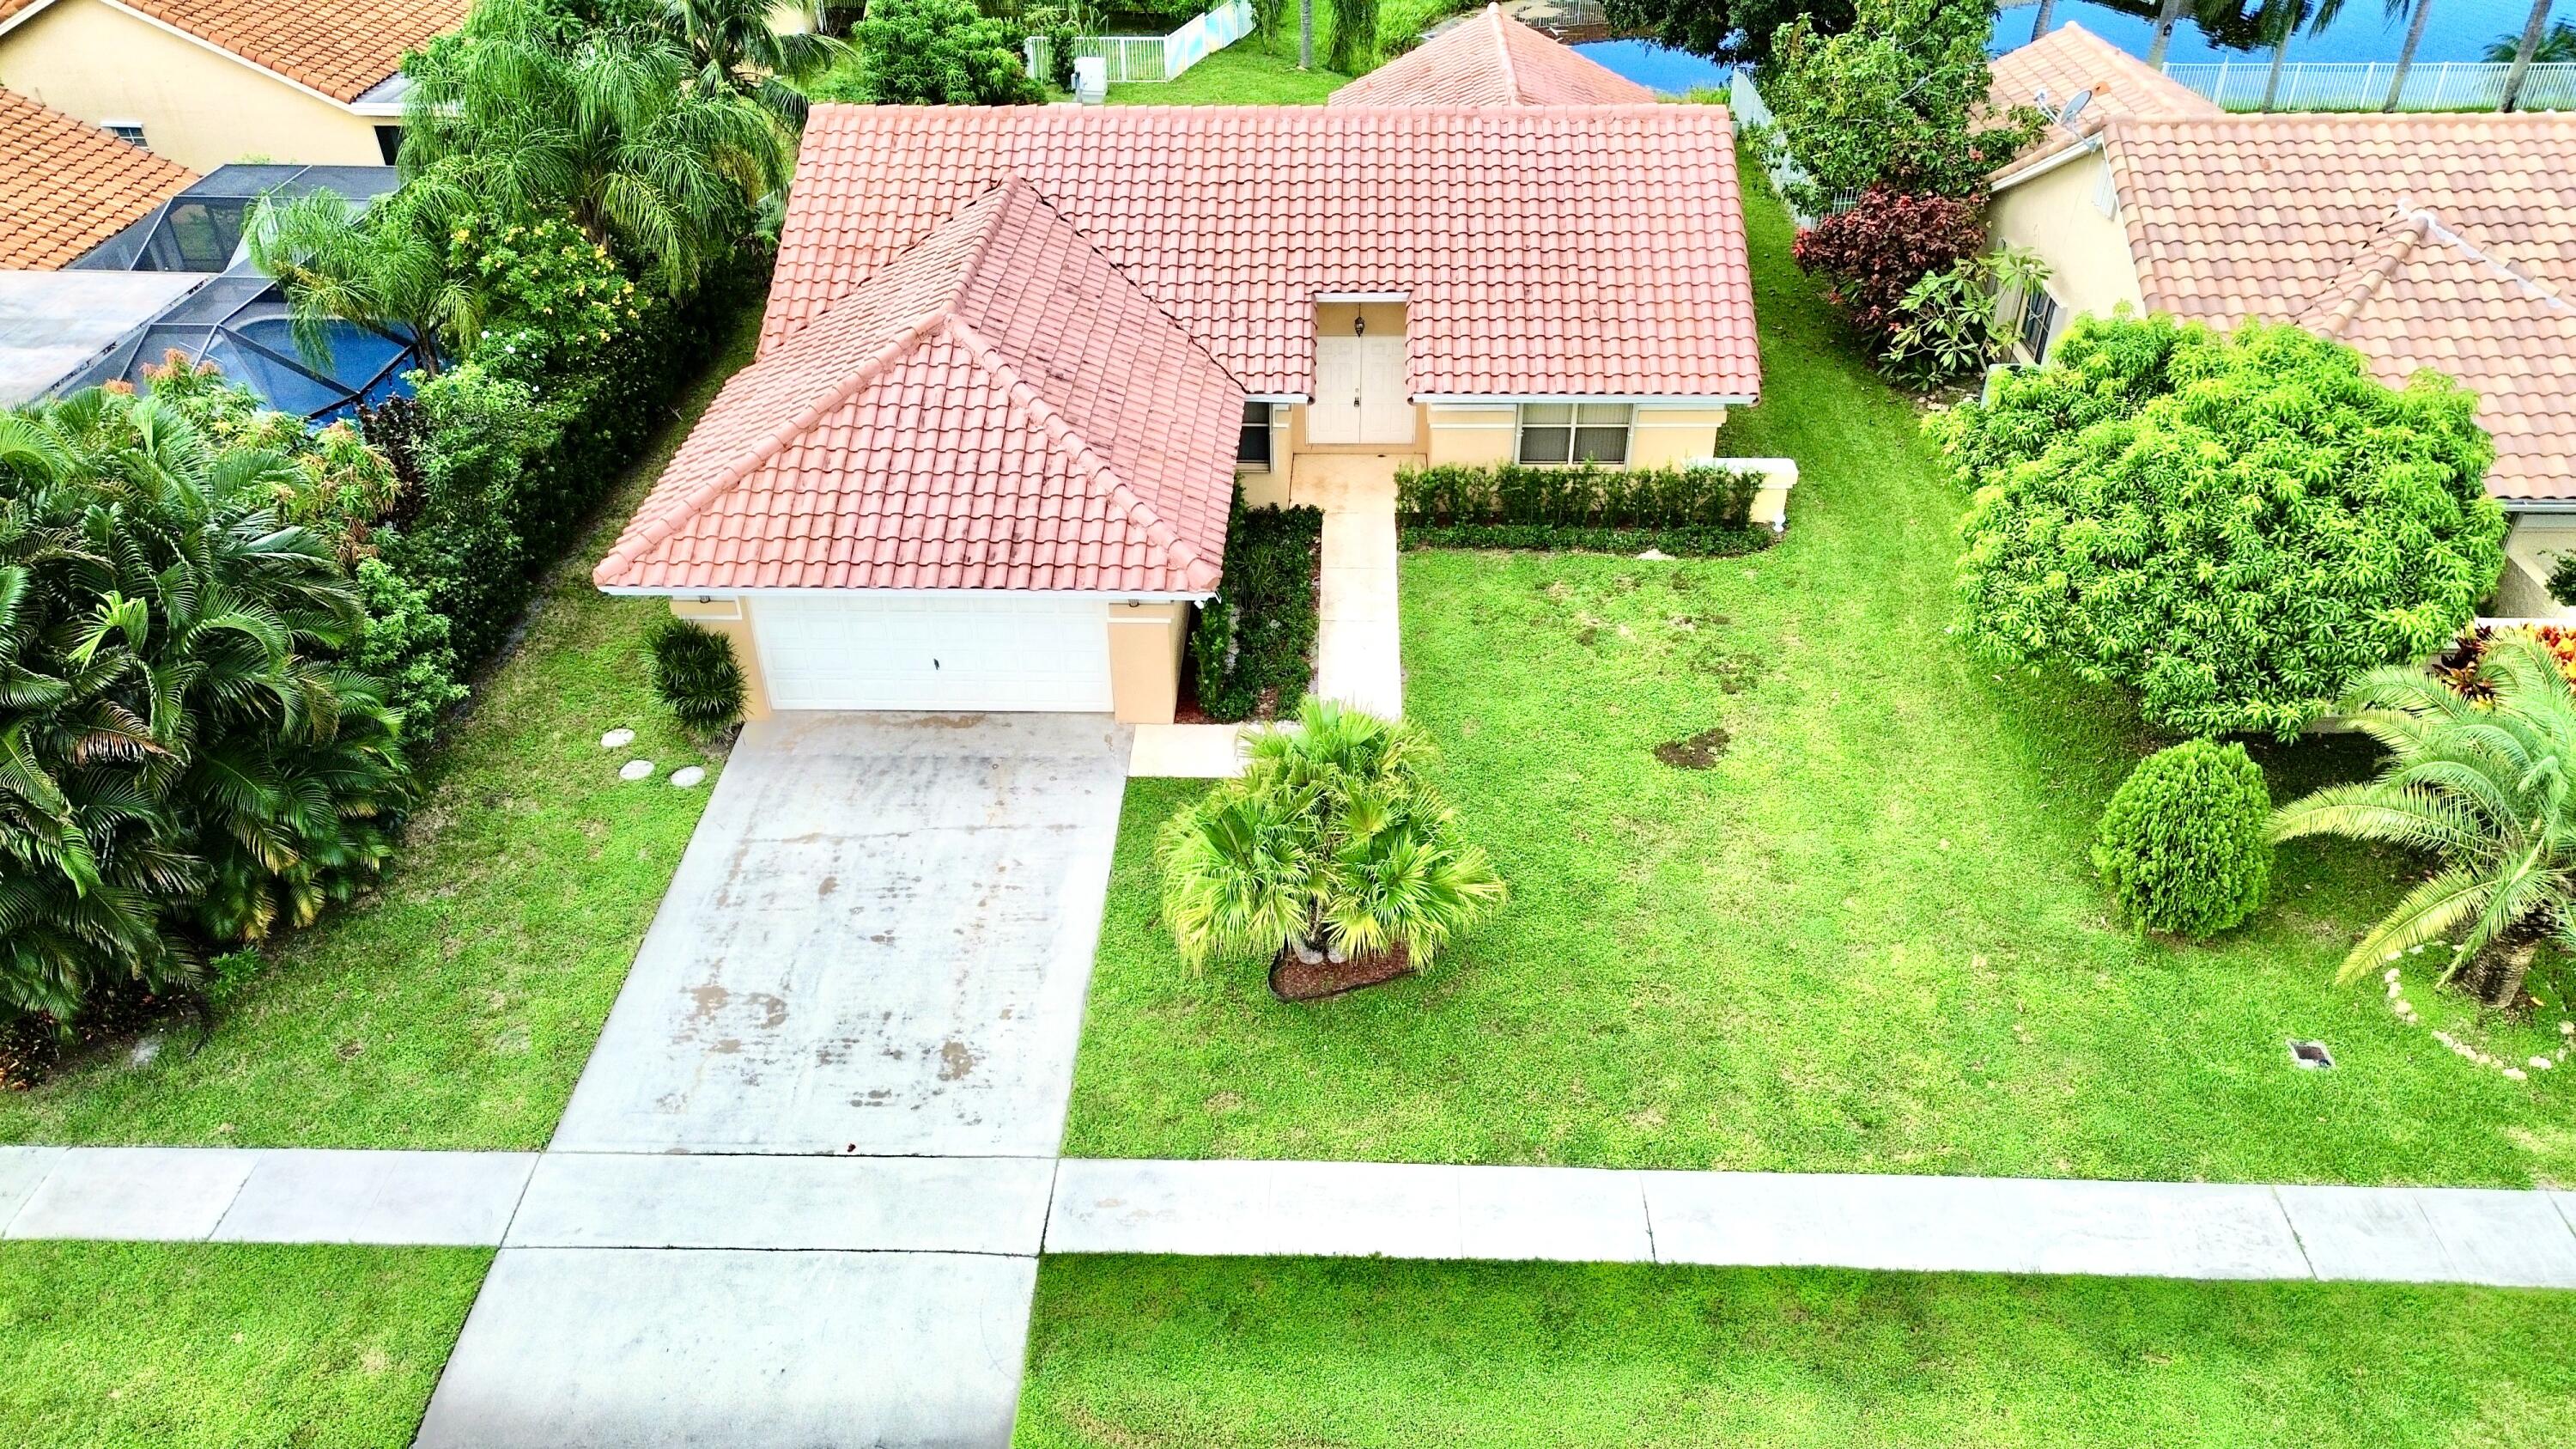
2424 240
1017 359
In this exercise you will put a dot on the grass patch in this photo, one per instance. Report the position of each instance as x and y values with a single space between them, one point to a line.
1138 1352
1865 937
454 1005
1250 72
227 1346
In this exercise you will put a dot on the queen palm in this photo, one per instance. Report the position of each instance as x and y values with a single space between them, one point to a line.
1331 843
736 48
2487 787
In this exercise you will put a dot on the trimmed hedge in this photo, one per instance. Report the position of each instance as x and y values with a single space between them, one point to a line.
1255 641
1681 542
1656 503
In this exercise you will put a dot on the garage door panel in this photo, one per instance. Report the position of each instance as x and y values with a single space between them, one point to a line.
960 652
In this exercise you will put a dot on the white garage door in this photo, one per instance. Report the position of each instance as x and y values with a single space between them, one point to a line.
929 651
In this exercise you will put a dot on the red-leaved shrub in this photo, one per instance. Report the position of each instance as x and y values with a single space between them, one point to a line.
1869 255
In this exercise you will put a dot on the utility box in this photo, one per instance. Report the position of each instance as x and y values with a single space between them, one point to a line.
1091 79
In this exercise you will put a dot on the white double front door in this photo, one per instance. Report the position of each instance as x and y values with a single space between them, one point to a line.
1359 392
962 651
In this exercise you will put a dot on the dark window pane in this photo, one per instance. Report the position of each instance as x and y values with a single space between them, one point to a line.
1601 445
1252 448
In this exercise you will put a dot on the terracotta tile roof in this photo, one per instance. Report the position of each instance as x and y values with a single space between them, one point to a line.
995 408
338 47
2054 69
1491 60
65 187
1544 251
2442 241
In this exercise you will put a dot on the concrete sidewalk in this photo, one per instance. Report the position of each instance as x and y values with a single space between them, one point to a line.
1022 1207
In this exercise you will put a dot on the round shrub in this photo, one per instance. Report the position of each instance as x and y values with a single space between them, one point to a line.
2185 845
695 674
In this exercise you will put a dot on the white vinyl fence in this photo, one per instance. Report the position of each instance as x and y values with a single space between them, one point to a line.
1784 170
2430 86
1155 57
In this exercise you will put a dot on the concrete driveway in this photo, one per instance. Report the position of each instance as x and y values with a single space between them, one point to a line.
877 944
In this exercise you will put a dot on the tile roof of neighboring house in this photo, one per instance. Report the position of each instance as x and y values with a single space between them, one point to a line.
995 408
2070 60
337 47
1491 60
1543 251
2442 241
65 186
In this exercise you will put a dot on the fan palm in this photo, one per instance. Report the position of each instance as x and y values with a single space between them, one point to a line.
2490 788
1331 841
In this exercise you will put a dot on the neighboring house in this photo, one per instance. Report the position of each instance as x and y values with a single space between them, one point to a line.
1491 59
1017 358
2057 198
2424 240
66 187
205 82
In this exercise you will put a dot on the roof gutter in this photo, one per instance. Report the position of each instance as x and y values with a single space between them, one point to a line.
705 596
2089 145
1654 399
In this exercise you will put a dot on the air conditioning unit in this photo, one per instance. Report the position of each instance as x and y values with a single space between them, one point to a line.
1091 79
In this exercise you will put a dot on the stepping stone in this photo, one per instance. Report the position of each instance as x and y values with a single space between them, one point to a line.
636 770
616 739
687 776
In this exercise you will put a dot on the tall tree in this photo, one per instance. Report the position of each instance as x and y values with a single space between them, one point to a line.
1899 100
2423 10
2279 20
736 48
2039 22
1733 32
2168 15
2522 53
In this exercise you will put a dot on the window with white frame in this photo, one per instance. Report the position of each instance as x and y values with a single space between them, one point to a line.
1575 432
1252 446
2038 320
130 132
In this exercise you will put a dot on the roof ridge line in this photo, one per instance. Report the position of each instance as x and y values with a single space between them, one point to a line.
1503 54
2431 220
1096 466
2345 294
1148 298
658 530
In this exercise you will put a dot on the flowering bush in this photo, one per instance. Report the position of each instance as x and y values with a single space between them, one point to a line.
1871 254
2463 665
551 300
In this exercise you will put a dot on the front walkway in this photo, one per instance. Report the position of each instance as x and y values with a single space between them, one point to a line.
982 1223
1359 645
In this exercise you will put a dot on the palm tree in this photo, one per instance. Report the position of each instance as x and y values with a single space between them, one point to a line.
1333 845
2423 10
2277 21
515 116
2490 788
336 264
2167 16
2039 23
734 47
177 745
2523 51
2558 47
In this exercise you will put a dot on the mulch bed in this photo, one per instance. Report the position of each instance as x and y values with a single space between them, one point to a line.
1294 980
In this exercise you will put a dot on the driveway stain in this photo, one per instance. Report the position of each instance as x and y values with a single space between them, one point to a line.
956 1060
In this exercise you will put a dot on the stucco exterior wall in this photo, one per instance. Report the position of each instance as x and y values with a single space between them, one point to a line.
732 619
1668 437
1145 660
2059 215
2530 551
199 107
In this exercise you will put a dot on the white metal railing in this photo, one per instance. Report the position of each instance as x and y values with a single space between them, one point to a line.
1154 58
2238 85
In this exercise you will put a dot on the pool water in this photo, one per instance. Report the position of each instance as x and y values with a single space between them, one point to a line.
1658 68
2459 30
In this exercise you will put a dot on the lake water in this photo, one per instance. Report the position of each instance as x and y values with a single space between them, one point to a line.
2459 30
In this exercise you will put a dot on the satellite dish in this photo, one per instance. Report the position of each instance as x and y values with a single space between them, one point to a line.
2074 108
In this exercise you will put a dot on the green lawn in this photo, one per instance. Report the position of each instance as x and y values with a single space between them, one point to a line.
453 1006
1141 1353
1867 940
1246 73
176 1345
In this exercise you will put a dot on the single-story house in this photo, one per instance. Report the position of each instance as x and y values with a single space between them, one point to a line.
65 187
1490 59
1016 360
205 82
2445 241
